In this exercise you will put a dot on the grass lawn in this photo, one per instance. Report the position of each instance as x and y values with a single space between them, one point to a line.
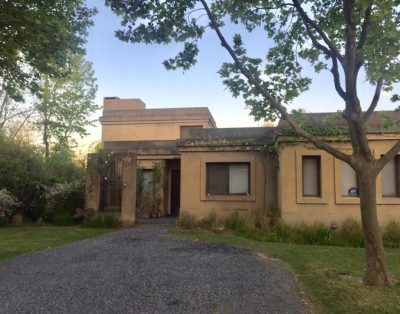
317 268
16 241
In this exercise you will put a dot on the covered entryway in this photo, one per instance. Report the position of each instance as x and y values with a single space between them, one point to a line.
175 192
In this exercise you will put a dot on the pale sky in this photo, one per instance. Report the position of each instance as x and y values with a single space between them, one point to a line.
135 71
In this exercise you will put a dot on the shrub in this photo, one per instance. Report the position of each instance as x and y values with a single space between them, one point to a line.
210 221
391 234
351 233
8 205
3 222
65 197
62 219
187 221
40 222
17 220
23 174
103 220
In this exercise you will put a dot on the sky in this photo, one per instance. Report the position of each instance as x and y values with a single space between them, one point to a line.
129 70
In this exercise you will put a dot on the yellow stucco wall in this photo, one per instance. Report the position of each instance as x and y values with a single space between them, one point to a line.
151 131
193 184
331 206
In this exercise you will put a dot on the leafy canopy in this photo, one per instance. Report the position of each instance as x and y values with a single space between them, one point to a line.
297 42
65 104
39 36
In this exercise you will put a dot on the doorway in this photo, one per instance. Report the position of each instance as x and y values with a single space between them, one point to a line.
175 192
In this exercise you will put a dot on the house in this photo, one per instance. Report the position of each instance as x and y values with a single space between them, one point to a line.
181 162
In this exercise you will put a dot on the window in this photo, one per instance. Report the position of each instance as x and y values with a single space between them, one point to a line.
311 166
391 178
228 178
349 184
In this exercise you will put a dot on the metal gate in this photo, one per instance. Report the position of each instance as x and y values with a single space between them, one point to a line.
111 187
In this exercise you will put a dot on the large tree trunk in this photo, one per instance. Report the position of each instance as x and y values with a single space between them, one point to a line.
377 271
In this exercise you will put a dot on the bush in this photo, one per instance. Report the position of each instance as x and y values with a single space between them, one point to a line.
3 222
103 220
351 233
17 220
391 234
65 198
187 221
8 205
210 221
26 175
62 219
23 174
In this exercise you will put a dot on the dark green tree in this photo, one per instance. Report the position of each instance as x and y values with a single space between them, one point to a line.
65 104
39 36
343 37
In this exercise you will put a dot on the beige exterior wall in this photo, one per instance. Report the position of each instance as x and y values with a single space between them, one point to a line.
114 103
331 207
150 131
194 199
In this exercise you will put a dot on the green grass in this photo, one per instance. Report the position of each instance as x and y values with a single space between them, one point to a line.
317 269
16 241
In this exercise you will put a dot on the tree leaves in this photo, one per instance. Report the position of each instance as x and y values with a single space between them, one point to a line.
38 36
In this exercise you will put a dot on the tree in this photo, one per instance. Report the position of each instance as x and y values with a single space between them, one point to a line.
11 107
343 37
64 104
39 36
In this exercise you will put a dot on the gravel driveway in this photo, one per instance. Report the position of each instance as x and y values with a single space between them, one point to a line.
144 270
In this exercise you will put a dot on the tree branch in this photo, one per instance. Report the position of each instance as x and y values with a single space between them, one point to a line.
274 103
336 79
319 30
335 68
380 163
365 26
374 101
23 123
363 36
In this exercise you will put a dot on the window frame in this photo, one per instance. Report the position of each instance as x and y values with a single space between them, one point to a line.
248 164
339 198
326 161
319 179
396 160
357 182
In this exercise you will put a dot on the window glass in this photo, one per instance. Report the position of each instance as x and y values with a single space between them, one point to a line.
227 178
311 175
390 178
349 184
238 179
217 179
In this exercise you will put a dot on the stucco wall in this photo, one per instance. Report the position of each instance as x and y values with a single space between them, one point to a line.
331 206
142 131
194 200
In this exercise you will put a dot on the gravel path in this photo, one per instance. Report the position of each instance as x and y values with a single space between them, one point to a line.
144 270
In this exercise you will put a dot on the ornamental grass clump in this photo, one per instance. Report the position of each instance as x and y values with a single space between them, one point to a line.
187 221
391 234
103 220
350 233
211 221
233 221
